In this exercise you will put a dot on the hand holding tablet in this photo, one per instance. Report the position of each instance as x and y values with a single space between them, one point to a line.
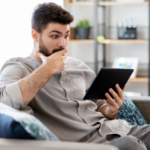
107 78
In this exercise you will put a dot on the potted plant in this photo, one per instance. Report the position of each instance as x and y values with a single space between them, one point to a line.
83 29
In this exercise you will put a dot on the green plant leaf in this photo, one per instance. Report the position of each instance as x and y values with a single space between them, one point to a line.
83 24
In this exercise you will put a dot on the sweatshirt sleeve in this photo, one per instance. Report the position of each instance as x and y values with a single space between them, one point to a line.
10 92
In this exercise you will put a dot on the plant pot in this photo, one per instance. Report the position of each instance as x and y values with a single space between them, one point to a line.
83 33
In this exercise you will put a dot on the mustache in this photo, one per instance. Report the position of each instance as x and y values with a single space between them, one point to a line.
57 50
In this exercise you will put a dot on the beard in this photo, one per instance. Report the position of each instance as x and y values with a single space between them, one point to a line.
45 51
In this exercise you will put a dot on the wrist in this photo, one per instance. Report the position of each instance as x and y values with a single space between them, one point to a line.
45 72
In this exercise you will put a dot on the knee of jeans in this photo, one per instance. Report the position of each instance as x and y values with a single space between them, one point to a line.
129 142
133 139
134 142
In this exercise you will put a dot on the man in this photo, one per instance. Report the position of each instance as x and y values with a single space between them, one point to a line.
53 85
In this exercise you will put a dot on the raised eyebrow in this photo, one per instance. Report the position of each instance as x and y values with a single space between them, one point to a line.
68 31
58 31
55 31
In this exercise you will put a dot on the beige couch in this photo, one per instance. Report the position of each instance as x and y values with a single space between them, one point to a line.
6 144
143 104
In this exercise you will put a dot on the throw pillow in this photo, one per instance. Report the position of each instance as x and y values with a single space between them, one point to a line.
130 113
15 124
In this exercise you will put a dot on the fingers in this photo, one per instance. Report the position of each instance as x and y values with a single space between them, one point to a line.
64 51
117 102
120 91
64 57
42 56
109 105
117 98
65 67
65 61
112 101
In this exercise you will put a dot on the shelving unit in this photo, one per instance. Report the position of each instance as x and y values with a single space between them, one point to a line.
70 3
109 41
81 41
104 4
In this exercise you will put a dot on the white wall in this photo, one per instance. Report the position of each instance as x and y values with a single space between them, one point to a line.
85 52
15 27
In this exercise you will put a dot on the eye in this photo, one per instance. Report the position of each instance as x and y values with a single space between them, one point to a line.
66 36
54 36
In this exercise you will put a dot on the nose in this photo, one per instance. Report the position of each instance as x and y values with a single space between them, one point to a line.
62 42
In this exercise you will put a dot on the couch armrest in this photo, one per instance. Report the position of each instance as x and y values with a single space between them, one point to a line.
143 104
9 144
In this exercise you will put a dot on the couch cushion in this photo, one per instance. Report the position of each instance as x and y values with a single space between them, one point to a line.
130 113
15 124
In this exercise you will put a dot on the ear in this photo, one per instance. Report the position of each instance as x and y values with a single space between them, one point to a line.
35 35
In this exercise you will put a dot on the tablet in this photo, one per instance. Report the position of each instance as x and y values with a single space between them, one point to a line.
107 78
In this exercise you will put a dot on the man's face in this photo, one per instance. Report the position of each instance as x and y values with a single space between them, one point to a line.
54 38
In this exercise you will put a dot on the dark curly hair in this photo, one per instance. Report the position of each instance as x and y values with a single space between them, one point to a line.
49 12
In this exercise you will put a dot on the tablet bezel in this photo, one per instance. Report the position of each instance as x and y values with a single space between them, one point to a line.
92 94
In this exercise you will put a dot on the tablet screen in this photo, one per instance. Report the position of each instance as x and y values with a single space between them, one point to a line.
107 78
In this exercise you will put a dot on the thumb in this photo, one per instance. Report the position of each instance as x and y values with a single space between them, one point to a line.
42 56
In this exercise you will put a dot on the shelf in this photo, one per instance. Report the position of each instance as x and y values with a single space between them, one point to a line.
138 80
68 2
121 3
81 41
109 41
